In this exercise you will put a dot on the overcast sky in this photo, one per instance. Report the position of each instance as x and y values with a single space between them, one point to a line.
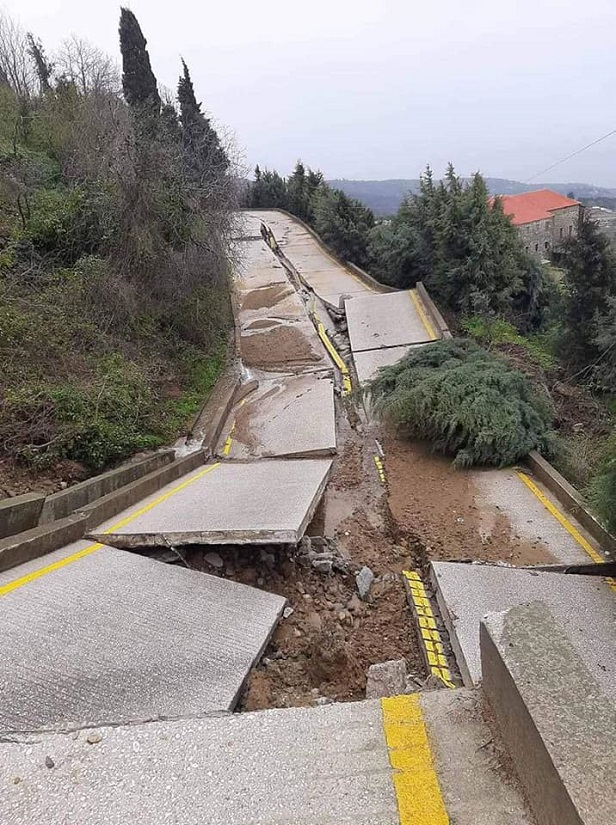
379 88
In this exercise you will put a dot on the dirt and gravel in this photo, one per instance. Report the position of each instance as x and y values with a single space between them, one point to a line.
279 348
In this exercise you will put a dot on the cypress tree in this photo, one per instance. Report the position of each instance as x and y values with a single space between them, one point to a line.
200 138
43 67
138 81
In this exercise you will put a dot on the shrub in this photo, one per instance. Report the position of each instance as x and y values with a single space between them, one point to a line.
465 401
602 490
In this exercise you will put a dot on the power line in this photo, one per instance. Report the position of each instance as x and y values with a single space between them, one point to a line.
572 155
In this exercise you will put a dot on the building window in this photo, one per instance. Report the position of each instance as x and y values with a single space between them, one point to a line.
561 231
570 230
526 248
536 247
546 245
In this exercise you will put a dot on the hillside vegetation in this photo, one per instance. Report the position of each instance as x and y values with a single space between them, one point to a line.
115 217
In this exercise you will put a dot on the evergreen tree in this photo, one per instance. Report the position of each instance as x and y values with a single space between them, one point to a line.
299 198
44 68
138 81
590 280
344 224
200 138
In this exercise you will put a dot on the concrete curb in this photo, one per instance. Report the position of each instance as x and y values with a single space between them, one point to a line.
214 413
557 724
571 500
437 318
62 504
108 506
20 513
369 280
31 544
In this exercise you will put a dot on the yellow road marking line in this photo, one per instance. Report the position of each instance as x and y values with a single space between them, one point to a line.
36 574
226 449
380 468
430 636
418 794
335 356
422 315
564 522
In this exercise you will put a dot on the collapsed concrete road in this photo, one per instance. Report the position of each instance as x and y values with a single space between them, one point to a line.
258 502
360 763
92 635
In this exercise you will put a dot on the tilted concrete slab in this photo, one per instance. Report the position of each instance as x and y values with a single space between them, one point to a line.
584 606
301 766
289 416
390 320
557 724
369 362
260 502
113 637
504 491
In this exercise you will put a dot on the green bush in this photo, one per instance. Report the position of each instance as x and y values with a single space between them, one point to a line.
465 401
491 332
602 490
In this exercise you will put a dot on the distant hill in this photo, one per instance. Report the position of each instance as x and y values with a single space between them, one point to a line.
385 196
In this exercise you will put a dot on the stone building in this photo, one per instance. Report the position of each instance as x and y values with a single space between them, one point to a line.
543 218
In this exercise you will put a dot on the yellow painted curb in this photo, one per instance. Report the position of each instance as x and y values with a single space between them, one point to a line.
43 571
428 630
423 316
335 356
564 522
380 468
418 794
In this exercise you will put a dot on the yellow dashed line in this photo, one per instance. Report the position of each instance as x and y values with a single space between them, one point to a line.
418 794
430 636
335 356
564 522
380 468
422 314
36 574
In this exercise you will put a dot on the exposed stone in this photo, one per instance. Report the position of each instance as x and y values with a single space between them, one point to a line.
214 560
94 738
386 679
288 611
322 565
318 541
354 604
49 763
364 580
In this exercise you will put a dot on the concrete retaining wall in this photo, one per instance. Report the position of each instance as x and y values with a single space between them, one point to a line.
20 513
34 543
558 726
60 505
571 500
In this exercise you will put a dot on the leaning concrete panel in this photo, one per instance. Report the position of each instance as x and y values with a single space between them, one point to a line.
113 637
584 606
305 766
390 320
289 416
261 502
557 724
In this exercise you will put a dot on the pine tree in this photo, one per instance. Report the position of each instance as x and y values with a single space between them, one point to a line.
590 280
200 138
138 81
298 193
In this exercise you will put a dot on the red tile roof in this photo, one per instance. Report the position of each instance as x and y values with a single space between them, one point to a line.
534 206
